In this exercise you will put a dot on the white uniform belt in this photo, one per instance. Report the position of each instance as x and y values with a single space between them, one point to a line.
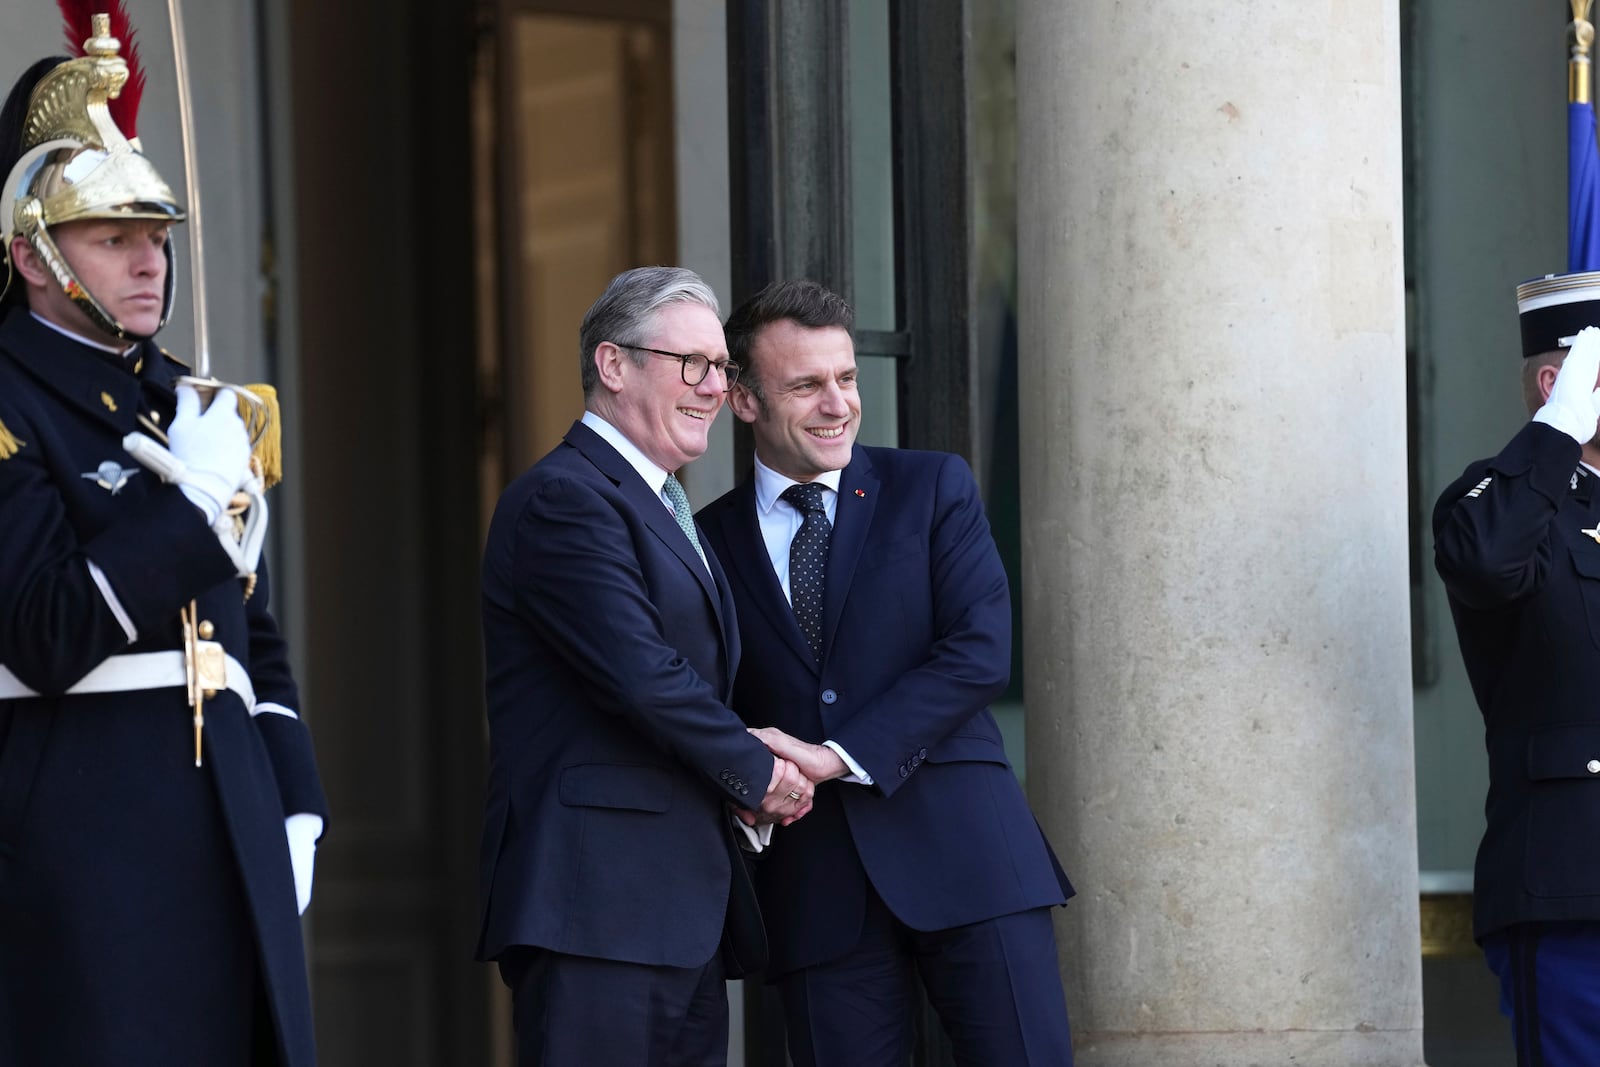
134 671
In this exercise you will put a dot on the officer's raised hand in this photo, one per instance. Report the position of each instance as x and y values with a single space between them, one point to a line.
215 447
1574 403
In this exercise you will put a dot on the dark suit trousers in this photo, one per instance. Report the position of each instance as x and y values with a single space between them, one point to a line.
995 985
573 1011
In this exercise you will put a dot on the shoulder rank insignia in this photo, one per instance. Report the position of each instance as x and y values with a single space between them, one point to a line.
1479 488
1594 533
111 476
9 445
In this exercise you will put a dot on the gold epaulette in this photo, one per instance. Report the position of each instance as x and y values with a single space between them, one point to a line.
264 422
9 445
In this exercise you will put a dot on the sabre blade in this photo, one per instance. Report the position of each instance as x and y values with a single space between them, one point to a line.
197 247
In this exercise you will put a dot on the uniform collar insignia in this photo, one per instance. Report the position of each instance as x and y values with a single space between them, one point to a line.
112 476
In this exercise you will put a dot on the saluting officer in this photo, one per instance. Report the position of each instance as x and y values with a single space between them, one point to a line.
148 905
1517 542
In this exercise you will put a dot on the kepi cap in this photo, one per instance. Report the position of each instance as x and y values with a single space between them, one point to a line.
1552 310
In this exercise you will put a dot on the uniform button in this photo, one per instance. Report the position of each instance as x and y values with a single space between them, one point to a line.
205 629
829 696
1594 766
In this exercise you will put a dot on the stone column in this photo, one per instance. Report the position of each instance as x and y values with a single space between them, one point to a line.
1214 512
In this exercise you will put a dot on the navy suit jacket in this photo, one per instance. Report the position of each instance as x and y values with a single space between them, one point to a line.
916 643
610 655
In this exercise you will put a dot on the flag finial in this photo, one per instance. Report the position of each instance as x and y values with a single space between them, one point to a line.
1581 32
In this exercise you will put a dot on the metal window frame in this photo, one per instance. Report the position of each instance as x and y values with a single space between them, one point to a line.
789 132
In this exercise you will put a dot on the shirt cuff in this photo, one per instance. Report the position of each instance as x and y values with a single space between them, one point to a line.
752 838
121 613
858 774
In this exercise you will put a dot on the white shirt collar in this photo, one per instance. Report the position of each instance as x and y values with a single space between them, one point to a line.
770 484
82 340
653 475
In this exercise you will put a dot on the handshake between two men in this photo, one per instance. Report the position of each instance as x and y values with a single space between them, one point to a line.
798 768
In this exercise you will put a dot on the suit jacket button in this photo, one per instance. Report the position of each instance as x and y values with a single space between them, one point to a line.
1594 766
742 790
829 696
905 772
726 775
922 754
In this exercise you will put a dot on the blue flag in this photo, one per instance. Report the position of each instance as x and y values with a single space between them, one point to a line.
1583 190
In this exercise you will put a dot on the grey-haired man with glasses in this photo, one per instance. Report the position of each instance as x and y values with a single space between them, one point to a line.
614 898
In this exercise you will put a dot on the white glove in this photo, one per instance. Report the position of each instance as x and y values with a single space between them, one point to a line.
1574 403
214 448
303 831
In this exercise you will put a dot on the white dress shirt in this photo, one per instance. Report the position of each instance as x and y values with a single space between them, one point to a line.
780 521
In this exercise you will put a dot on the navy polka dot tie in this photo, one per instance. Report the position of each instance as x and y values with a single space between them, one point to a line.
808 561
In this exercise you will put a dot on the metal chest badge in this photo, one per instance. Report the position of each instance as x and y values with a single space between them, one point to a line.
110 476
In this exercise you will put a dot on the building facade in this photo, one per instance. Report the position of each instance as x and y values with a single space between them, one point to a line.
1215 297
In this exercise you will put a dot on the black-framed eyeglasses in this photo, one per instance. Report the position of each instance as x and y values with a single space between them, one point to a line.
693 367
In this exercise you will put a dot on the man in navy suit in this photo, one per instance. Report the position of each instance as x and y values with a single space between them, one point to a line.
607 873
876 624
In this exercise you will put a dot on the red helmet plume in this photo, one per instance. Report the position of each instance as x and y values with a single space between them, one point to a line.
78 15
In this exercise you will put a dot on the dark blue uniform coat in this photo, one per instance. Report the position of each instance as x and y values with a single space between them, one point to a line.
916 643
610 655
146 906
1515 542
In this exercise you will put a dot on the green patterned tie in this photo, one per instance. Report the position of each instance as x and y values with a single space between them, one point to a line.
680 511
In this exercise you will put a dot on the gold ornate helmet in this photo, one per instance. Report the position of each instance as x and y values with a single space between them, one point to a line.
76 163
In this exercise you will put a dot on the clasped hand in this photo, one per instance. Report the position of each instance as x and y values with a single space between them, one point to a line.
797 768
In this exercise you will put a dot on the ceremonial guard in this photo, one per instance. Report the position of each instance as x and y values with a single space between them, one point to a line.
1517 542
159 799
